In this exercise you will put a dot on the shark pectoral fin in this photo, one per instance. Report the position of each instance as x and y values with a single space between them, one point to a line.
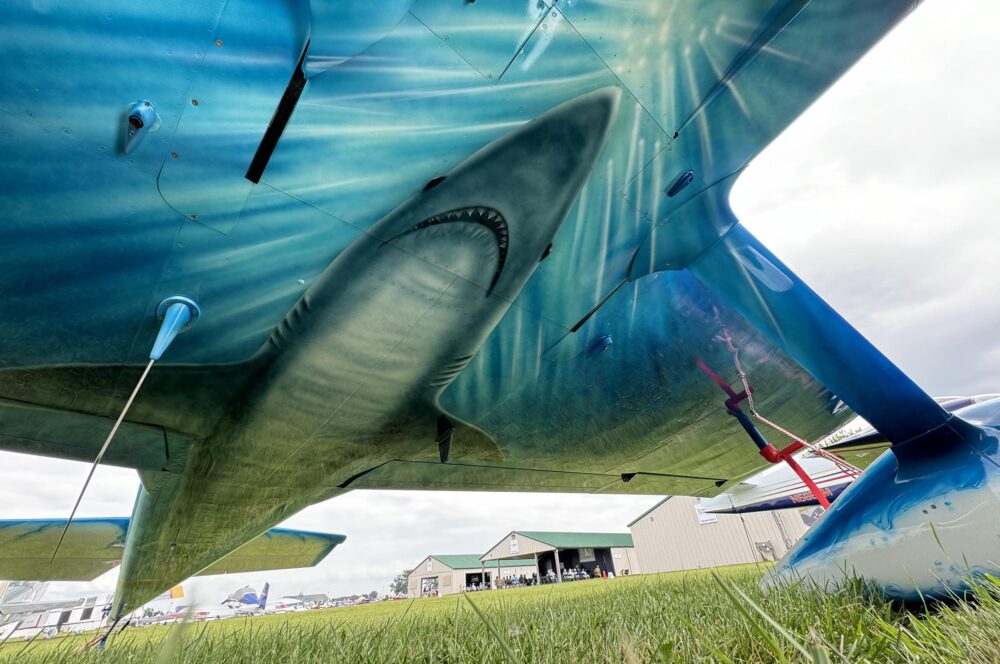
459 441
67 411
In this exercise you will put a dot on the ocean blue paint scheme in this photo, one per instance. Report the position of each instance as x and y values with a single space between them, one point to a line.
348 305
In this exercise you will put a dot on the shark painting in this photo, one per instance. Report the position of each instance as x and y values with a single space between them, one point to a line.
434 245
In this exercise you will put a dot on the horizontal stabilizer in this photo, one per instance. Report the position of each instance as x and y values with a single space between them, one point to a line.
278 548
94 546
91 548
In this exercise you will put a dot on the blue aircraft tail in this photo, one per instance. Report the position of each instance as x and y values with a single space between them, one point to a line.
921 519
924 437
263 596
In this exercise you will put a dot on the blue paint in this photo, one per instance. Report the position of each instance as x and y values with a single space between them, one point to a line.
682 181
600 345
139 121
178 314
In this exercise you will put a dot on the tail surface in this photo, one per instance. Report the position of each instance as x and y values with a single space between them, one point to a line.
919 520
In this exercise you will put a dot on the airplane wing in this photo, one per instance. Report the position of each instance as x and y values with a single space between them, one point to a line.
717 82
91 548
459 249
94 546
278 548
29 608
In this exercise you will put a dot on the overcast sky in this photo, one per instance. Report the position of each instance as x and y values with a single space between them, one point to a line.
882 197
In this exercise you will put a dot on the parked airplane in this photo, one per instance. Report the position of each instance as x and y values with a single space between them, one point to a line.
780 487
246 602
433 245
20 599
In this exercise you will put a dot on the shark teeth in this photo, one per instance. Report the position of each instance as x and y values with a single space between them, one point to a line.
484 216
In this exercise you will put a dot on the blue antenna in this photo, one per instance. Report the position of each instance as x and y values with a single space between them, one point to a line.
178 314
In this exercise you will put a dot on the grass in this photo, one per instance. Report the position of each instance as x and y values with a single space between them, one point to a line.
682 617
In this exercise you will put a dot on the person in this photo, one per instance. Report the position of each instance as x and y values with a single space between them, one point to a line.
597 572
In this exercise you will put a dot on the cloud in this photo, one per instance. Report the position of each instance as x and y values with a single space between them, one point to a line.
882 197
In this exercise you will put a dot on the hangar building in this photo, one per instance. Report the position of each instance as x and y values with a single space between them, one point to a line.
551 551
674 534
444 575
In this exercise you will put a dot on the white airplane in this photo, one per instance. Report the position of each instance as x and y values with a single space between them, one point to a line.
245 601
780 487
21 599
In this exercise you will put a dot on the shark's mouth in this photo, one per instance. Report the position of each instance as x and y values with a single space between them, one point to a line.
482 216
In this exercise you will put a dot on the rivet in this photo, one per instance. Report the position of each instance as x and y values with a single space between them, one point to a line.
194 217
218 42
300 282
174 155
194 102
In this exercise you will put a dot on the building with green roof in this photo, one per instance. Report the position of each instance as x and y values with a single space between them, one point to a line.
562 556
445 574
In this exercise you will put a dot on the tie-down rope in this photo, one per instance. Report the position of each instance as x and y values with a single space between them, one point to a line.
843 465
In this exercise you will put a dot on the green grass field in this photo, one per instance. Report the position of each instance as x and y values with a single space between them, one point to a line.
680 617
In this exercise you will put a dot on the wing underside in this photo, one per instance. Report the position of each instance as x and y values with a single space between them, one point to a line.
588 379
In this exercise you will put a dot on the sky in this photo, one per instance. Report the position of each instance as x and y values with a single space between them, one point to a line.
882 197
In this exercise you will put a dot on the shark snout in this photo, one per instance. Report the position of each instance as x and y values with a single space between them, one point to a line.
492 218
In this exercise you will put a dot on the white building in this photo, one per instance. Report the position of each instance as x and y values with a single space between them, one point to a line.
674 534
446 574
561 553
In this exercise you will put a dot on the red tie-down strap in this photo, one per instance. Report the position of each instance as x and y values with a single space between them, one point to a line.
785 454
767 450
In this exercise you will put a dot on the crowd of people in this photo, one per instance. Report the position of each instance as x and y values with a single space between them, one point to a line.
578 574
518 581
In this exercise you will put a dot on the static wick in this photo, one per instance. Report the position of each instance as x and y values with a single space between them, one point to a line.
178 314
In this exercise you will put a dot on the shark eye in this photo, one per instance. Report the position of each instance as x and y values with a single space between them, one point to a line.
433 182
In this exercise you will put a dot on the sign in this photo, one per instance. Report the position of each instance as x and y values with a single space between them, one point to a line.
704 517
587 555
513 544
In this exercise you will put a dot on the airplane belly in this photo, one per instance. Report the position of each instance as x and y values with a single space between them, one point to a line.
351 376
